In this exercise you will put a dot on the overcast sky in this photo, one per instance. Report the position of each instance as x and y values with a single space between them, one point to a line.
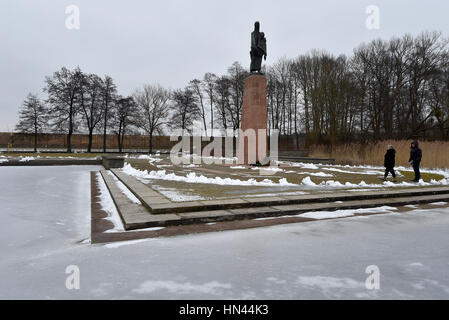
173 41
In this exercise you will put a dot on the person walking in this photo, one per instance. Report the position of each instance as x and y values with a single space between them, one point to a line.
389 162
415 159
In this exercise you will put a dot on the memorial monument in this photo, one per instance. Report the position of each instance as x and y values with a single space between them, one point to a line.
253 135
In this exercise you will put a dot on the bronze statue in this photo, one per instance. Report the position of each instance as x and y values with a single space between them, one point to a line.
258 48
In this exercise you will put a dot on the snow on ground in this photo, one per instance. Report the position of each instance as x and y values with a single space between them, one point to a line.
316 174
151 159
124 189
305 184
175 195
272 169
302 165
319 215
336 184
369 172
324 259
26 159
107 204
345 213
194 178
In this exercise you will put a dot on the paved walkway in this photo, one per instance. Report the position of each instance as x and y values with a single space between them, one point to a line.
155 210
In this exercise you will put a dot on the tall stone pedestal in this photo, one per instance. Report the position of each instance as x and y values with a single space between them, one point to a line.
253 143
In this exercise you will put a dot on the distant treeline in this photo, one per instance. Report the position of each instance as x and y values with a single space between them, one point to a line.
386 89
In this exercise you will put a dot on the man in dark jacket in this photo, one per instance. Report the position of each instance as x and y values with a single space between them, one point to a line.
389 162
415 159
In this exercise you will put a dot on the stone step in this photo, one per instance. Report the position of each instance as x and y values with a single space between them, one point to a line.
158 204
137 216
134 215
146 221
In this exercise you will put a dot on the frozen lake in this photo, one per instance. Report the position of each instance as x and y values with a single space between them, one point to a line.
45 214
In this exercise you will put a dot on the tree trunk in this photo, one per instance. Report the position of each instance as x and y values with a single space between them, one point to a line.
35 140
119 140
104 129
89 146
151 142
69 142
69 136
119 143
211 120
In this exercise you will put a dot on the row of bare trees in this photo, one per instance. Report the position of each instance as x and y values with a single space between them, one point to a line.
385 89
86 103
76 102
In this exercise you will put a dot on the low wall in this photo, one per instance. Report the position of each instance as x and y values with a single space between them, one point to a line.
294 144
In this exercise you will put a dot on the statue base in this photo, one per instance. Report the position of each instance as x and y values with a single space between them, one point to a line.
253 135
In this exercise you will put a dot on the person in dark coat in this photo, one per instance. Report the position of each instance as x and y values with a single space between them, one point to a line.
389 162
415 159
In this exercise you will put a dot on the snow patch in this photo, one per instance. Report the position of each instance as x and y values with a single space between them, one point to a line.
26 159
107 205
193 178
124 189
176 196
213 287
317 174
345 213
149 158
326 283
115 245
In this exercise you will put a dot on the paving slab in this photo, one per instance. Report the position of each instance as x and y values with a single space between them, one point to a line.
147 196
137 217
159 204
141 221
205 216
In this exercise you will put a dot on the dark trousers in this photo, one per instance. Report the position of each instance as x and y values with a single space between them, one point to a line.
388 170
416 169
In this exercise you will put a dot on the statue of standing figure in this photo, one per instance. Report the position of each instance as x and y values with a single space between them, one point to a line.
258 48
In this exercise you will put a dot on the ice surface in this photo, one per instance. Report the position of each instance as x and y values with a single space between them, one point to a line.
46 225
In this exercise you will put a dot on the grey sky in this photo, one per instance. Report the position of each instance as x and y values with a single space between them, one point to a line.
173 41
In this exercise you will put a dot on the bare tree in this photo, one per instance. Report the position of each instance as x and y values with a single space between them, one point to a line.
62 89
185 110
209 85
152 102
109 90
196 86
236 76
123 113
91 103
222 100
32 117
